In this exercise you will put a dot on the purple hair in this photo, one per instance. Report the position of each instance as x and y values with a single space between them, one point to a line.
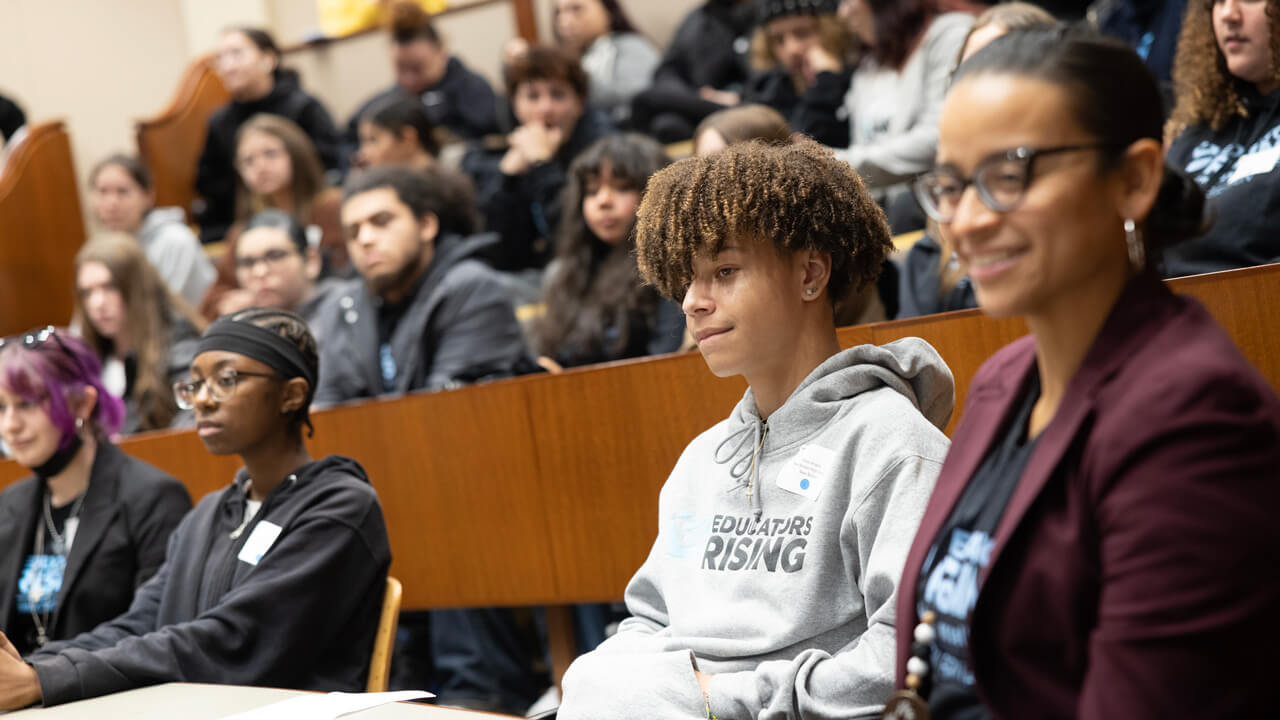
48 376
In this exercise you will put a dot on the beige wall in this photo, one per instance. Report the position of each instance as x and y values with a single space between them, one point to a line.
97 65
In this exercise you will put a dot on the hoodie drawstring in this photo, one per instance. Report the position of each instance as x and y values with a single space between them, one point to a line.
748 465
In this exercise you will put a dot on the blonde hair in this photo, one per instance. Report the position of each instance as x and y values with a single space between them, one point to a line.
833 34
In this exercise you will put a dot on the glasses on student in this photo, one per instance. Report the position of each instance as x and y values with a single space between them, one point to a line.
36 338
221 387
1001 180
271 258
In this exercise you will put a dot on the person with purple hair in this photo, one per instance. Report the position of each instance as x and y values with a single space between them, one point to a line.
92 524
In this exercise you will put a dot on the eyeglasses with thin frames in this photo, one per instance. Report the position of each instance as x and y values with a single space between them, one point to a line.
1001 180
221 389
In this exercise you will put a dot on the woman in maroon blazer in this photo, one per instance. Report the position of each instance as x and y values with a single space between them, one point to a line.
1103 538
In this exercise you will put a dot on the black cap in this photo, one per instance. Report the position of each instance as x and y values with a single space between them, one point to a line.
767 10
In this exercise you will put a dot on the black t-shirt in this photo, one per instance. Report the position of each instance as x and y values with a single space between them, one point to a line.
39 583
949 578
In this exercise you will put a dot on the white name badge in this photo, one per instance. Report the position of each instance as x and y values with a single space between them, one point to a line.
807 472
263 537
1259 163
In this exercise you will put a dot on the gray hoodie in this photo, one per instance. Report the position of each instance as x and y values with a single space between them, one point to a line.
176 253
785 594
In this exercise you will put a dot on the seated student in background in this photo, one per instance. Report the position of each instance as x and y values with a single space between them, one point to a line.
1151 27
280 268
740 124
1094 545
277 167
787 31
91 525
397 131
144 335
518 187
427 314
597 307
770 589
248 62
454 97
275 581
885 119
703 70
931 280
1224 132
123 200
618 60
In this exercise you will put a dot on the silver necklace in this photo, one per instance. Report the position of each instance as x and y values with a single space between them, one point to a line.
60 547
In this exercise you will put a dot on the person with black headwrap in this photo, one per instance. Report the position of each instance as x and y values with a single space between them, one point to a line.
276 580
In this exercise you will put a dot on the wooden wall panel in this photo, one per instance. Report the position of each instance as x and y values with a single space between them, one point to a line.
41 229
170 143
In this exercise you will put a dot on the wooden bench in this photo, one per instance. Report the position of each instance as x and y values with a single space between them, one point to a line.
170 143
543 490
41 230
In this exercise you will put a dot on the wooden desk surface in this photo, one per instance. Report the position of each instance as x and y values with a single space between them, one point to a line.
209 702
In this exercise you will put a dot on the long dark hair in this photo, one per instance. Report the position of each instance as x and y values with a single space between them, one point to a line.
593 286
899 25
1114 98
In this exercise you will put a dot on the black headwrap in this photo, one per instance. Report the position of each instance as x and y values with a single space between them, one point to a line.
260 344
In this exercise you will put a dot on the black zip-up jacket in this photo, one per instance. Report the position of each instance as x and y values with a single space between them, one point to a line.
1239 169
304 616
216 173
525 209
709 49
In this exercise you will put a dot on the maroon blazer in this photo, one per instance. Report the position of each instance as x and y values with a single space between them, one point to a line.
1136 570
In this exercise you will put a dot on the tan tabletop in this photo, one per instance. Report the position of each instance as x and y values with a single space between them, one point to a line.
209 702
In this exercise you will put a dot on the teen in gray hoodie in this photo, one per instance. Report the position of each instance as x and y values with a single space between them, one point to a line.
769 592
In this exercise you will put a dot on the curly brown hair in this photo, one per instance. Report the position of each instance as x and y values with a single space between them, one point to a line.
797 197
1203 86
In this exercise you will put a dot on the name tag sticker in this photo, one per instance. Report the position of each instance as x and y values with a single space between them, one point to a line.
263 537
807 471
1258 163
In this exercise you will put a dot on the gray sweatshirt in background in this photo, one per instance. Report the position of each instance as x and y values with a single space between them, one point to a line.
893 114
785 595
176 254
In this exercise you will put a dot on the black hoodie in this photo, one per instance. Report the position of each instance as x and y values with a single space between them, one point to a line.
455 326
525 209
1237 167
303 616
216 174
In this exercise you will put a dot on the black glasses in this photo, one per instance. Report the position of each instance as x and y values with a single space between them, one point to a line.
35 338
221 389
270 258
1001 180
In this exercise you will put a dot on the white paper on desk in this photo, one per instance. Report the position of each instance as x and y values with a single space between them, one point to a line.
326 707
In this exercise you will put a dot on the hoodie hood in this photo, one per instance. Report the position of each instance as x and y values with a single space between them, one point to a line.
909 367
159 218
311 475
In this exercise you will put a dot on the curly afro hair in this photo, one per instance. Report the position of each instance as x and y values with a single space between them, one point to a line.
797 197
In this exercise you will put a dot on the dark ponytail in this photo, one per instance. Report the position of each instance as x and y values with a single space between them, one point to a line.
1114 97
